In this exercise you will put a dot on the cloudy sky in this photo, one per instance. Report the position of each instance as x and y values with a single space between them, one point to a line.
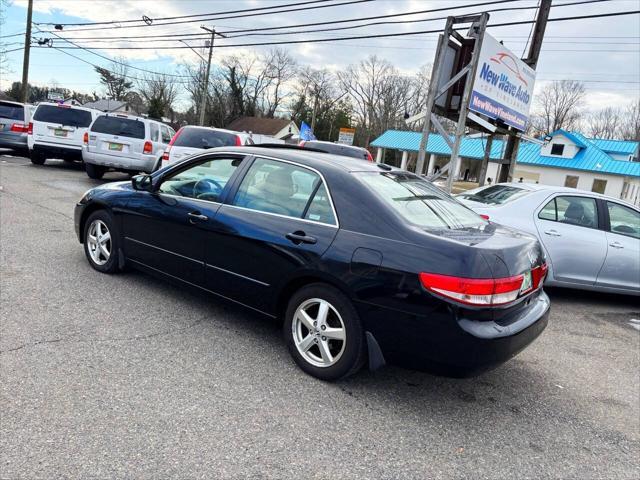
602 52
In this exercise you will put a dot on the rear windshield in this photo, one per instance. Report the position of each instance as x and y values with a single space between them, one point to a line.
11 111
337 149
123 127
71 117
495 195
204 138
419 202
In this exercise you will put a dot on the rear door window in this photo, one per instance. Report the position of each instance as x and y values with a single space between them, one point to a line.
581 211
71 117
11 111
282 188
165 134
204 138
121 127
155 132
419 202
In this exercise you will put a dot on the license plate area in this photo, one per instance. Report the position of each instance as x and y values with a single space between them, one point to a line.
59 132
115 147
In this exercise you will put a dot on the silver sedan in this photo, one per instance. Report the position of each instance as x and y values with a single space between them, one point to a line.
591 241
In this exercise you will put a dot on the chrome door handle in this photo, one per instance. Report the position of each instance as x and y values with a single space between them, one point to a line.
616 245
300 237
553 233
197 217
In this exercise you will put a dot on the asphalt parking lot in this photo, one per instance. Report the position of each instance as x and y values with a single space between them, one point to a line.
126 376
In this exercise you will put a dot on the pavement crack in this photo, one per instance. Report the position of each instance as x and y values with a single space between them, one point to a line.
4 191
117 339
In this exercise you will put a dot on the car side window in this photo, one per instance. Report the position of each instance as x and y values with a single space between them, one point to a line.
166 135
319 209
205 180
623 220
581 211
154 132
277 187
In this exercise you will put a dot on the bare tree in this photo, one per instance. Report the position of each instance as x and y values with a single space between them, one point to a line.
115 79
630 122
160 92
558 106
604 123
280 68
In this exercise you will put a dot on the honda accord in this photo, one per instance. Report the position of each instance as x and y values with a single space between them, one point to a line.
363 263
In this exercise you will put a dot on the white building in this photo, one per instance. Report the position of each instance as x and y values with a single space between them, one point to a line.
566 159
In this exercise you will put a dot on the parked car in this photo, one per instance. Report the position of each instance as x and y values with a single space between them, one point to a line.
338 149
14 125
592 241
56 131
124 143
191 139
362 261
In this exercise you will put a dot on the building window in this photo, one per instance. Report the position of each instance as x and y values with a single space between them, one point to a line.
599 186
571 181
557 149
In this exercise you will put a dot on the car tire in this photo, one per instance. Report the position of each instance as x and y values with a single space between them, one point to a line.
106 259
94 171
317 353
37 158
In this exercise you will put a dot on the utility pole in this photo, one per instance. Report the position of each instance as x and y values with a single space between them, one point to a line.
205 85
27 47
513 142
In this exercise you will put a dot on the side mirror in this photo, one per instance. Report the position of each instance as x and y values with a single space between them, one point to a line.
142 182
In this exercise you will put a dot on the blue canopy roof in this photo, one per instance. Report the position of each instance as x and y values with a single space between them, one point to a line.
590 156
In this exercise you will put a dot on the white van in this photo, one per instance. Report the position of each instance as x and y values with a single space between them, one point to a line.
56 131
124 143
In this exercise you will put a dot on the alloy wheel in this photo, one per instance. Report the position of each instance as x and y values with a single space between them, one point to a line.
318 332
99 242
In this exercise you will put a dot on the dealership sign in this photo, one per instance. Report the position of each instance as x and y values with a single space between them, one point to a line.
345 136
503 86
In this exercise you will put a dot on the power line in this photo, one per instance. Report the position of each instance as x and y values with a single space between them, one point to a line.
350 2
111 22
382 35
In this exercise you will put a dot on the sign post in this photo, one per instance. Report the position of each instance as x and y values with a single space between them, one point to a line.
346 135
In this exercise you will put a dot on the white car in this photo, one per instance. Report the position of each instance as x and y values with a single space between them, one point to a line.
124 143
191 139
592 241
56 131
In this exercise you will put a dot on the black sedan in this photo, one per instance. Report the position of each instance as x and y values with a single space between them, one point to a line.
361 261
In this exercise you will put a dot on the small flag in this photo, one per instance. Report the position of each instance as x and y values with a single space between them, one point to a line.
306 133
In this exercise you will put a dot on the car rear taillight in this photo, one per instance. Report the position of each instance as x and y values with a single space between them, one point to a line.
486 217
30 129
238 141
165 155
474 291
538 275
20 128
148 147
85 138
369 156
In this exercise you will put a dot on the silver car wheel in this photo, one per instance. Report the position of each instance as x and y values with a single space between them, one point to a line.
99 242
318 332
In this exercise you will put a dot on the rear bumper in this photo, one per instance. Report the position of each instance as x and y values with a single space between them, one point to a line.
14 141
142 163
444 344
51 151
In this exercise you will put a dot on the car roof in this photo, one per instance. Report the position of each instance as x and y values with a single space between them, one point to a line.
65 105
215 129
538 187
310 158
324 142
